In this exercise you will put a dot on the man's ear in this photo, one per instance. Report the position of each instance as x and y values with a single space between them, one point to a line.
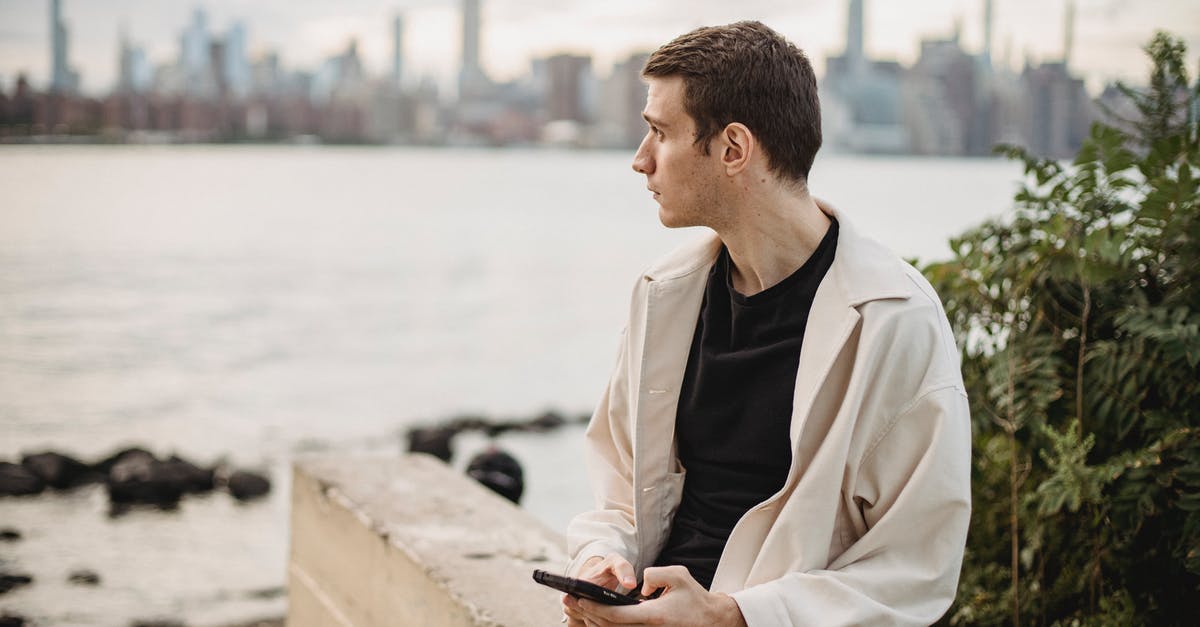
738 145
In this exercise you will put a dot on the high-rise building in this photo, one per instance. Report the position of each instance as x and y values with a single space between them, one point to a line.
569 88
472 81
235 64
397 50
62 77
194 48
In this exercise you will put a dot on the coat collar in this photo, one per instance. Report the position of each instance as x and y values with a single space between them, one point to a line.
863 270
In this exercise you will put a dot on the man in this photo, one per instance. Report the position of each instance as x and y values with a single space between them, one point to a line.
785 439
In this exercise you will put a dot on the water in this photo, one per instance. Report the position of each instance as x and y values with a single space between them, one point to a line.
247 304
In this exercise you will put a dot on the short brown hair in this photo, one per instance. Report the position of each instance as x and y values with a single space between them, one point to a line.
745 72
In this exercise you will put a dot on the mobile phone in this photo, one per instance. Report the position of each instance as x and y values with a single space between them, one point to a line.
584 589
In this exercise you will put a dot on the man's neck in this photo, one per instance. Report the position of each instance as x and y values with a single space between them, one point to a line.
772 236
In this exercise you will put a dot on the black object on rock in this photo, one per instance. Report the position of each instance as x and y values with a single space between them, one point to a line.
16 480
60 471
247 485
432 440
8 534
157 622
84 578
12 620
499 471
8 581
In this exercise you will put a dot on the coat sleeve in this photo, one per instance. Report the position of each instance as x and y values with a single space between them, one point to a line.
610 527
913 491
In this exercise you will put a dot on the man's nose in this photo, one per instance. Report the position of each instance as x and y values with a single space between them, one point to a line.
642 163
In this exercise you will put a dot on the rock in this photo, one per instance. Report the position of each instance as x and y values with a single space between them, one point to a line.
84 578
499 471
194 478
157 622
16 480
60 471
105 466
467 422
8 534
140 478
546 422
497 428
8 581
432 441
247 485
8 619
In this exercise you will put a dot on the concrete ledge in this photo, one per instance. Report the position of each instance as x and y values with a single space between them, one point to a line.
410 541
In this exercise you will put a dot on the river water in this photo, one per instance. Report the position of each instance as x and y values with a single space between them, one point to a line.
248 304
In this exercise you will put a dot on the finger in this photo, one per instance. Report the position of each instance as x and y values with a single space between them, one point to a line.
622 570
613 614
665 577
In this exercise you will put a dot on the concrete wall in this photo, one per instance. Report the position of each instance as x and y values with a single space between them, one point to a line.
410 541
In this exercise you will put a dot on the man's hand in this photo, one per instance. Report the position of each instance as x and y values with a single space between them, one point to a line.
612 572
683 602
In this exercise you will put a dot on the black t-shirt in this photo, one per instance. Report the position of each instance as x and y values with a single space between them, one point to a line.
735 406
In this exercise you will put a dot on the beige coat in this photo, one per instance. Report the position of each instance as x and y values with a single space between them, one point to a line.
870 525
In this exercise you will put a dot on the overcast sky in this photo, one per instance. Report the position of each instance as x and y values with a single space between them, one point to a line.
1108 33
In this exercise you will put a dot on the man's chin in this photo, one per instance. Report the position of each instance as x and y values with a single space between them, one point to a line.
669 219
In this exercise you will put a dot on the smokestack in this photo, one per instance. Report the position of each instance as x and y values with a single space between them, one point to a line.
987 33
1069 34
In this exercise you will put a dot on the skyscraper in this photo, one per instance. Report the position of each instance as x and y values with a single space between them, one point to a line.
471 80
397 49
62 78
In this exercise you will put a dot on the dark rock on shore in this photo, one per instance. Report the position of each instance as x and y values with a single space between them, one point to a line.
195 479
8 581
16 480
8 534
140 478
499 471
546 422
60 471
12 620
84 578
432 441
247 485
157 622
105 465
136 476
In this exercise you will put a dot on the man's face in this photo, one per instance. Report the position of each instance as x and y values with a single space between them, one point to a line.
683 179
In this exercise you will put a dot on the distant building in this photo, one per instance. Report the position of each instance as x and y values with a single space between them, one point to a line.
1057 110
943 91
235 64
569 88
472 80
862 107
398 51
622 97
63 79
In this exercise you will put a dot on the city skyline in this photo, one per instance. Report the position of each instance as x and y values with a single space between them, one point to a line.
1107 33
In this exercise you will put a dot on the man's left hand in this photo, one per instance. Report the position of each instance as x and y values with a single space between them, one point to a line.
682 602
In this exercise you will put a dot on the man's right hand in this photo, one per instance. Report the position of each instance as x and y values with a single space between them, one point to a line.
612 572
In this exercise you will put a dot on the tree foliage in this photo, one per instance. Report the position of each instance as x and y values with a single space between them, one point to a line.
1078 317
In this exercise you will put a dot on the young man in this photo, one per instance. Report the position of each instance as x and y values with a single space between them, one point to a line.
785 439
